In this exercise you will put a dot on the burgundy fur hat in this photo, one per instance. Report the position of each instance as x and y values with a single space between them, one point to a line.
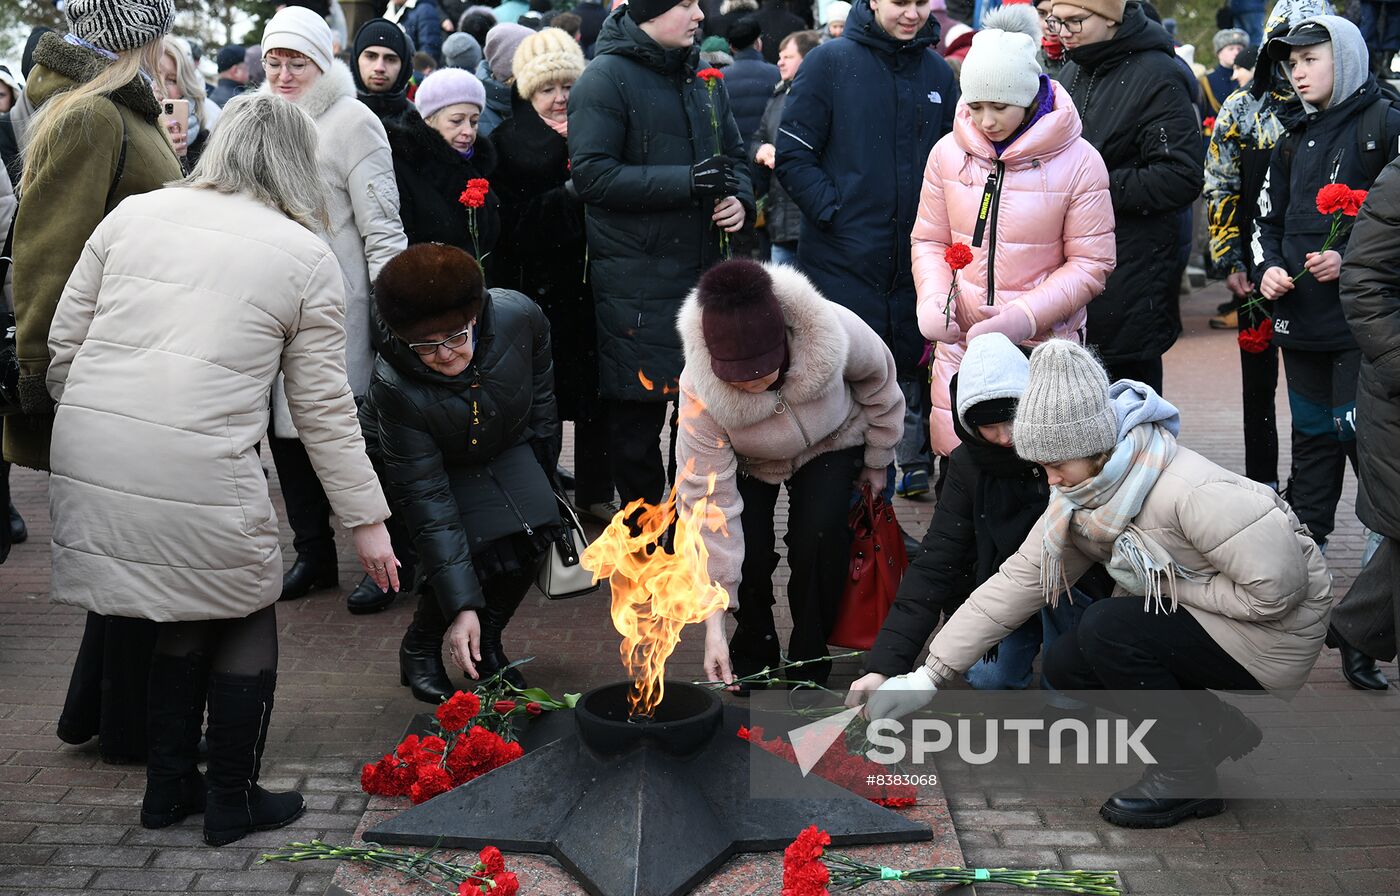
426 282
742 321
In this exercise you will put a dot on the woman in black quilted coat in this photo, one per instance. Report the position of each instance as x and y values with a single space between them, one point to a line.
462 412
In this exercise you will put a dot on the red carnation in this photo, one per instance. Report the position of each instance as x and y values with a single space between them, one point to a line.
432 781
1257 339
1352 204
469 888
474 196
958 256
506 884
808 846
492 862
1334 198
457 713
710 74
1209 124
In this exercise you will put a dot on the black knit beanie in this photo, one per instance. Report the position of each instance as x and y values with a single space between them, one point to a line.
645 10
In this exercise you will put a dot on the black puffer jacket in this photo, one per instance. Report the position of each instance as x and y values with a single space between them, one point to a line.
436 436
638 120
542 248
1135 101
431 176
784 218
990 500
1370 291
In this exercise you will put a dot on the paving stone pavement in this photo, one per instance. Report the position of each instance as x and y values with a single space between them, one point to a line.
68 822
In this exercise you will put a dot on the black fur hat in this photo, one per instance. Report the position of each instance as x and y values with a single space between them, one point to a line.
426 282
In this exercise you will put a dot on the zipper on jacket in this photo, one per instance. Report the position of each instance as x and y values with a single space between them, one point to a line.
515 510
987 221
782 408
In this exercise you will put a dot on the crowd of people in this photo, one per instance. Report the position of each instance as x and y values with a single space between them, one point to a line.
871 247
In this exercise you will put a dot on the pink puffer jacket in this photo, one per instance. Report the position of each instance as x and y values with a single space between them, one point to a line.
1054 245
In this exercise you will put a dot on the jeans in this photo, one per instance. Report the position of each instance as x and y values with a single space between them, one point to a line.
912 452
780 254
1322 397
1252 23
1011 670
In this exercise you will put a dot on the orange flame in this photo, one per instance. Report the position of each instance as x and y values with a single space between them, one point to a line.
646 383
657 591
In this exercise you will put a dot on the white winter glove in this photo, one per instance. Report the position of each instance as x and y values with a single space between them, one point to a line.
902 695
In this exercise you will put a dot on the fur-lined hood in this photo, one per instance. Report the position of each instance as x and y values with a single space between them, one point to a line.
817 348
417 143
329 89
80 65
729 6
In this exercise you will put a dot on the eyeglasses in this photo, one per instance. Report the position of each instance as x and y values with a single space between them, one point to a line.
456 340
296 66
1073 26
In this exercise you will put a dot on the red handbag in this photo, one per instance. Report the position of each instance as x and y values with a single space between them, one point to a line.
877 564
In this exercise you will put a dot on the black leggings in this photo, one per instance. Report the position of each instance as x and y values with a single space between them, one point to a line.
244 646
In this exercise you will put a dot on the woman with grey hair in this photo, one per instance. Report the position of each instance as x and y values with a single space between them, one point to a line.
161 369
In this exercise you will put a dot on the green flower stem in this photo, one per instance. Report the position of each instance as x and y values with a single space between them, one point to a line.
417 865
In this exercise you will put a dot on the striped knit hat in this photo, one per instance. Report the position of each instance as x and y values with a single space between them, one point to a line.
118 25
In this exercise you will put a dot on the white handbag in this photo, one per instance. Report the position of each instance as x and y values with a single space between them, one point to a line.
561 574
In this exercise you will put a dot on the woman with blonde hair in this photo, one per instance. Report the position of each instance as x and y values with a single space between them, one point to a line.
180 80
196 551
93 141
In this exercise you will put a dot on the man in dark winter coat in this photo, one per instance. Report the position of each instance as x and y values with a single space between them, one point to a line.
1135 102
749 80
1365 623
421 21
233 74
658 196
862 116
1219 82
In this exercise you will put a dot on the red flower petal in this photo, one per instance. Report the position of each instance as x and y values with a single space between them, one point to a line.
1332 198
710 74
958 256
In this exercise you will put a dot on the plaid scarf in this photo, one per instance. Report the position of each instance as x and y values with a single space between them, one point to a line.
1102 510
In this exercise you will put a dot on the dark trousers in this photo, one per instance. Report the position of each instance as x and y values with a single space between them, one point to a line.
634 449
242 646
593 477
818 540
503 593
308 508
1149 372
1322 398
1369 616
1121 647
107 691
1259 385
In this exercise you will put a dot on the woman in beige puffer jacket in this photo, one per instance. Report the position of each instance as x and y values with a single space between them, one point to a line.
780 387
1218 586
164 348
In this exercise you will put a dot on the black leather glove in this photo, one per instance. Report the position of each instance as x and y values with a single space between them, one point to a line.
713 178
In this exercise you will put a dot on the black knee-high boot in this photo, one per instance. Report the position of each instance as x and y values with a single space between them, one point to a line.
501 605
420 654
175 716
240 708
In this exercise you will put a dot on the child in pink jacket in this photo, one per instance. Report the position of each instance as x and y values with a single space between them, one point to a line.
1017 184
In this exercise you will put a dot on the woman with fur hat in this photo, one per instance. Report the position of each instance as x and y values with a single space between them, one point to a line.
1218 586
90 84
543 250
364 233
462 406
780 387
1017 184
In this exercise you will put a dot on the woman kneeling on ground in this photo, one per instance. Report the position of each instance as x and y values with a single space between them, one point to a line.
1176 532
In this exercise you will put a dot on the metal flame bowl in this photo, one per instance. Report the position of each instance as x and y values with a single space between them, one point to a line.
684 722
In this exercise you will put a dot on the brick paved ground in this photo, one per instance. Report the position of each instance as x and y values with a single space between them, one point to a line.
68 821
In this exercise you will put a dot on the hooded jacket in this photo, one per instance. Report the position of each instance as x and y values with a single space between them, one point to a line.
1048 245
72 189
1134 100
437 435
363 201
863 114
1321 146
639 118
839 391
1254 578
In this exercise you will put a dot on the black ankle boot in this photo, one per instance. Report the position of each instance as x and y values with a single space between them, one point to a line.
420 654
493 660
1233 735
1167 794
367 598
175 716
1358 669
19 532
495 616
240 707
310 572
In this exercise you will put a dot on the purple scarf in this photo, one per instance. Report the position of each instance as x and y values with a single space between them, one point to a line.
1044 104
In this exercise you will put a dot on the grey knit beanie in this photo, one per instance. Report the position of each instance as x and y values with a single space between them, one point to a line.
1229 38
1065 413
118 25
461 50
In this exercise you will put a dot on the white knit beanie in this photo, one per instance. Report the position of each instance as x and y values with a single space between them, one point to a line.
1065 413
300 30
117 25
1001 67
549 57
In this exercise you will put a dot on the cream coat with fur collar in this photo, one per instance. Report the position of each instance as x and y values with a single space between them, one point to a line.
839 392
363 200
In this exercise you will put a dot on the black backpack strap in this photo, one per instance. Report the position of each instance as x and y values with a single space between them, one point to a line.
1375 146
121 165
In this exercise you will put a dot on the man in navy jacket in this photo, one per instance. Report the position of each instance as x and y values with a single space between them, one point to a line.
864 112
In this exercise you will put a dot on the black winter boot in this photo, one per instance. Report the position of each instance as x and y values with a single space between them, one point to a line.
1167 793
420 654
240 707
1360 670
311 572
495 616
175 716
